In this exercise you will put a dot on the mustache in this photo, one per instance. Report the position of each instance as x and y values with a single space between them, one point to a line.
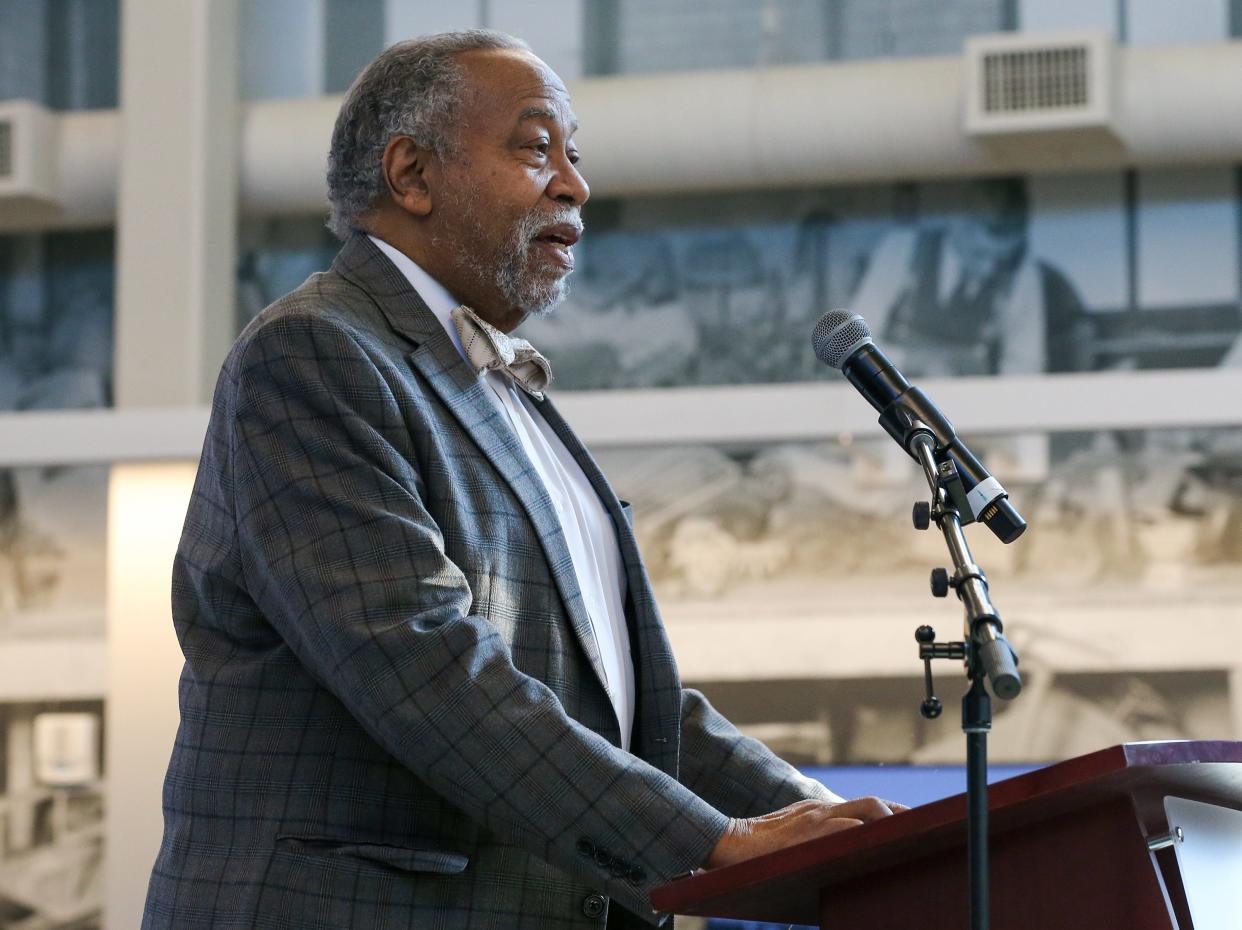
537 220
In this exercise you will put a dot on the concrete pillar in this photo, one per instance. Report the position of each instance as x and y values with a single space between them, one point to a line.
177 199
176 246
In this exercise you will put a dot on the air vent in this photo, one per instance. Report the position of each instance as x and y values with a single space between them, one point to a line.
1044 79
1032 83
27 153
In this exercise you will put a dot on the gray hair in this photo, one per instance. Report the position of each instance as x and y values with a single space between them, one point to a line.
412 89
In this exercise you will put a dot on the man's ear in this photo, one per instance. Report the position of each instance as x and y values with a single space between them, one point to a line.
405 167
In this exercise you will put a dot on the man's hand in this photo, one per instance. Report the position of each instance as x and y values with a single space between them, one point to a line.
748 837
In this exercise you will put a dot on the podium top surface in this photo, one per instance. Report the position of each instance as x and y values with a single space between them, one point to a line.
790 880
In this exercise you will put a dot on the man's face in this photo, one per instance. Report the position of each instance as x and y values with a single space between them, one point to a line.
508 211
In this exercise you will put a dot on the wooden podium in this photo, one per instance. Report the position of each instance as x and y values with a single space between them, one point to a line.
1069 849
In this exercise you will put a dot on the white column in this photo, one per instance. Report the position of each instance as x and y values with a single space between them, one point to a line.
176 245
177 199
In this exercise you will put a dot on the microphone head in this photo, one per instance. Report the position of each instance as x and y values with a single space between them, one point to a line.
838 335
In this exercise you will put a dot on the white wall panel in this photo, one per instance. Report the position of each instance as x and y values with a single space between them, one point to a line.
1078 225
23 41
406 19
553 30
1068 15
1187 236
1170 22
281 49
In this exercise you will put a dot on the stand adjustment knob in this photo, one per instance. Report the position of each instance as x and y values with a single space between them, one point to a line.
939 582
922 515
931 708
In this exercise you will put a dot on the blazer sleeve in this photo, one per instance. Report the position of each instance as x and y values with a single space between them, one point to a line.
344 560
736 774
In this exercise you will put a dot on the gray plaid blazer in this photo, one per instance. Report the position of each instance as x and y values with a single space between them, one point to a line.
391 708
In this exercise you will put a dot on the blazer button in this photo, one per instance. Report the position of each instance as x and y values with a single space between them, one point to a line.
636 876
586 848
593 905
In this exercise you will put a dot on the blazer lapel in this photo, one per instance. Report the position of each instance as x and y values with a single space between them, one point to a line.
659 690
467 398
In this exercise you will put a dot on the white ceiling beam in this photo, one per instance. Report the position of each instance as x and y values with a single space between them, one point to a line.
748 415
833 123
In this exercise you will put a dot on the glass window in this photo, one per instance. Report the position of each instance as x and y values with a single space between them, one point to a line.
61 53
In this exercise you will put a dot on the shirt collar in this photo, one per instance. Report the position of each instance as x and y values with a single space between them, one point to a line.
438 300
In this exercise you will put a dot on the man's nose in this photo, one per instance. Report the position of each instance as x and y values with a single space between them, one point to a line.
569 186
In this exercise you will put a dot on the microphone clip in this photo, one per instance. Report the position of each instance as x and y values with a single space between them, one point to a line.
913 421
904 426
915 436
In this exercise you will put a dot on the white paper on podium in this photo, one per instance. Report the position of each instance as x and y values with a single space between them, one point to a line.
1210 859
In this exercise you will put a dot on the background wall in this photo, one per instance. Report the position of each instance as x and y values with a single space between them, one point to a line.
787 573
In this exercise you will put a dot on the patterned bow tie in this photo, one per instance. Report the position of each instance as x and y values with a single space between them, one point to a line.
489 349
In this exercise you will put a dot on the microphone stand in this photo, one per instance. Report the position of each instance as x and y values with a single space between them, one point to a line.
984 650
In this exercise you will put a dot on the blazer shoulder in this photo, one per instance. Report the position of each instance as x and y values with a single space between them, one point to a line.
329 304
331 298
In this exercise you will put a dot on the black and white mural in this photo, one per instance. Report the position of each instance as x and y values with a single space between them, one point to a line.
991 276
56 310
985 276
56 296
1132 535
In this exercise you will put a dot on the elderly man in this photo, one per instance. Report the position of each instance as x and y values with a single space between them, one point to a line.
426 683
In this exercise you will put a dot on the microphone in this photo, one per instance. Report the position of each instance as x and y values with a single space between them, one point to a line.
843 340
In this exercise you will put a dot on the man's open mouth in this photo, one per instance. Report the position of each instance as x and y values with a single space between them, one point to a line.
557 241
562 235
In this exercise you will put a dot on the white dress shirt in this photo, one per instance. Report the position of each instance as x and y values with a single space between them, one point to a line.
589 531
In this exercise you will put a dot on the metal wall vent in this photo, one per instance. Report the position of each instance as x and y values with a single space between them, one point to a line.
28 157
1023 83
1042 79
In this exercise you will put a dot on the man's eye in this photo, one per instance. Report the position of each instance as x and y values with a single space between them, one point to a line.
540 147
574 158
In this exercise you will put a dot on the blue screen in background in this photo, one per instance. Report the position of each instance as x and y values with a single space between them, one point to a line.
907 784
911 785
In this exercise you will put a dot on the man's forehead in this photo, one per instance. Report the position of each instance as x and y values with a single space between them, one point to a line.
519 85
545 109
